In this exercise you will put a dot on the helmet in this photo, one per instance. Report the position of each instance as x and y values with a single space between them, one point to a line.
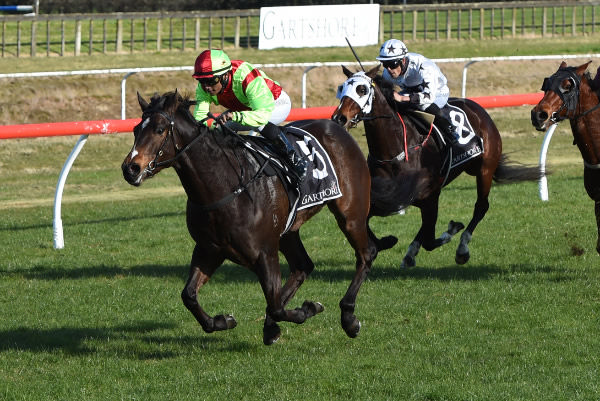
391 50
211 63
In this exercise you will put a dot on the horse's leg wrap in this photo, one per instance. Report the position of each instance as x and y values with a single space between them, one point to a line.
462 252
411 253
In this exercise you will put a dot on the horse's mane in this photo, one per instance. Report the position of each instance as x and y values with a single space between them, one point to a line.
174 102
386 87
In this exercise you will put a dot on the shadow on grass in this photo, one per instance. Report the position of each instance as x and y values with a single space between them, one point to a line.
447 273
227 272
140 340
326 270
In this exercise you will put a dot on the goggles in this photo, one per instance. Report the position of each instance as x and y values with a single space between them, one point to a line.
392 64
209 81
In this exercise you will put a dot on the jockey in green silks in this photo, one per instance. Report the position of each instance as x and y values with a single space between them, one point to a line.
252 99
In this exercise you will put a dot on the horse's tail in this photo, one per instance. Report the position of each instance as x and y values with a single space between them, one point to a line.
508 171
390 195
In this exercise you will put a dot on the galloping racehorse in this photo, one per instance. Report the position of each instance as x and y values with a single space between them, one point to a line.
404 147
236 211
571 94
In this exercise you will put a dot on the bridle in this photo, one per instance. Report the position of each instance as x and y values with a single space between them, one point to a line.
568 96
154 163
364 101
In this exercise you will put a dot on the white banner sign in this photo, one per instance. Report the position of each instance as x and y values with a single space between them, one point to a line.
319 26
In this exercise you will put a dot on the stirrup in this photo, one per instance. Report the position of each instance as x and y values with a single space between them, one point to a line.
300 166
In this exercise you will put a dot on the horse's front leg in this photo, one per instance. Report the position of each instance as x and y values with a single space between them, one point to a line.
462 252
269 275
300 267
426 235
382 243
201 269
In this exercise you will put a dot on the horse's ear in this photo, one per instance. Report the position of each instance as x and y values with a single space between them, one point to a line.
581 69
143 104
563 65
161 103
347 72
373 71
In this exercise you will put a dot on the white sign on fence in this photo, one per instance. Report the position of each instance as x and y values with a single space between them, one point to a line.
318 26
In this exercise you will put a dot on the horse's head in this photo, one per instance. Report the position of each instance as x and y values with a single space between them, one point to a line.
155 144
561 96
356 97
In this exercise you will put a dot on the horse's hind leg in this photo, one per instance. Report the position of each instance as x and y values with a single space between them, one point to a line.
300 267
201 269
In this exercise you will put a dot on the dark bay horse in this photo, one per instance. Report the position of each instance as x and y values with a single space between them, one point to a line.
403 148
237 213
571 94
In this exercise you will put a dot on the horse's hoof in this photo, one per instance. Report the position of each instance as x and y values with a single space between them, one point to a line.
386 243
461 259
271 334
224 322
408 262
312 308
353 328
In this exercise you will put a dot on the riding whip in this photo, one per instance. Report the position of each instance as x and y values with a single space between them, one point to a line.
355 55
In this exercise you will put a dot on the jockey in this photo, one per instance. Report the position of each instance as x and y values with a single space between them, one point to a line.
252 99
421 82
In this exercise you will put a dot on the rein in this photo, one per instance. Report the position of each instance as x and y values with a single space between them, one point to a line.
404 154
180 152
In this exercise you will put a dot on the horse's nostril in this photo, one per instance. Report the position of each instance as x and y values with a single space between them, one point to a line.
131 170
135 169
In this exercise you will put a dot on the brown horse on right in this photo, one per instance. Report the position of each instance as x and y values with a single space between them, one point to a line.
400 148
571 94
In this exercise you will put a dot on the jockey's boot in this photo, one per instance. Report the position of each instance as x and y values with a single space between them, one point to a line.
283 146
450 134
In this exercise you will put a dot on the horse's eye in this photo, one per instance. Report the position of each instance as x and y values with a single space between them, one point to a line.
567 85
361 90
